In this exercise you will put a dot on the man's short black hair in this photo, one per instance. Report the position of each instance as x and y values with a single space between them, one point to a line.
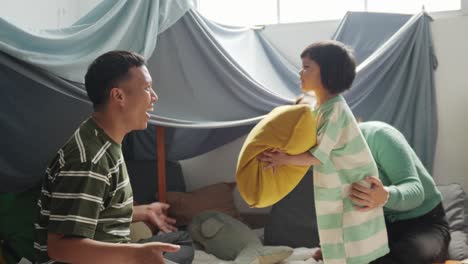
106 71
337 64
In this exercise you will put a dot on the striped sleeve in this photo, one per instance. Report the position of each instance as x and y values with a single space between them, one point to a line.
328 135
77 198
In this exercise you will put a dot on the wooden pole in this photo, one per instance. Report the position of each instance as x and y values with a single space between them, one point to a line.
161 159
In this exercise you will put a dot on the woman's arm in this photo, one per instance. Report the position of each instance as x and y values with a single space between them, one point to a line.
394 156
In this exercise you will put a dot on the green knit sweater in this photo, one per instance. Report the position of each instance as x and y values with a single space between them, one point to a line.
412 190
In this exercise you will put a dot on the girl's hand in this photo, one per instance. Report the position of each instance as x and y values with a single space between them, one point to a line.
273 158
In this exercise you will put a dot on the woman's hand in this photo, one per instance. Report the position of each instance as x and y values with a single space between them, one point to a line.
369 198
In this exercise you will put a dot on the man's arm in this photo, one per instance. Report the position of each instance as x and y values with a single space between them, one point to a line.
396 160
85 250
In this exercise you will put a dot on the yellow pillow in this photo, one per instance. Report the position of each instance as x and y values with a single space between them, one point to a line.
290 128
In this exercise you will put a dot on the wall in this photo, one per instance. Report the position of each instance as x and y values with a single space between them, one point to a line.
291 39
451 77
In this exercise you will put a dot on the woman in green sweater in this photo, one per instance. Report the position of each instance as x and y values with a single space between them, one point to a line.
417 229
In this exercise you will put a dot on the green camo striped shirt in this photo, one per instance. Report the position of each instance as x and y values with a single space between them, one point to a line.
346 235
86 192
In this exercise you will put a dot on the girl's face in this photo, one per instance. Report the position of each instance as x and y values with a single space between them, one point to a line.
310 75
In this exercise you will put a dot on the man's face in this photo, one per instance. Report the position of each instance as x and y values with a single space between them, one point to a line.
139 98
310 75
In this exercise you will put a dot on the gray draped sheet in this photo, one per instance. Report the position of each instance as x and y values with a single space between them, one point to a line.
214 84
35 120
395 82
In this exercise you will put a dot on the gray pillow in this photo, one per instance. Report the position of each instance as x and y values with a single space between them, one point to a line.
454 201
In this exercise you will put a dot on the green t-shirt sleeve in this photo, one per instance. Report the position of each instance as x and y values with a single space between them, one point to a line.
77 197
394 158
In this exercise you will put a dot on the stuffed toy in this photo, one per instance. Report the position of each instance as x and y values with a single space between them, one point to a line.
229 239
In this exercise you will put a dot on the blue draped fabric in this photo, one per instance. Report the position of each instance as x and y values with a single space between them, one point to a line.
122 24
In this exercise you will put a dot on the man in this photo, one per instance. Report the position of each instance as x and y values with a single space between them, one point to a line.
86 203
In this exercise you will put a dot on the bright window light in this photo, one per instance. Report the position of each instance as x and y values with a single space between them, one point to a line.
412 6
314 10
438 5
239 12
264 12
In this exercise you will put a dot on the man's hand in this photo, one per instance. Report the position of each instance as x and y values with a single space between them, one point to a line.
151 253
369 198
64 249
155 214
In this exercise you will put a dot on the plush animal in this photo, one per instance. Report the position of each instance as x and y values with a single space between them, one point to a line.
229 239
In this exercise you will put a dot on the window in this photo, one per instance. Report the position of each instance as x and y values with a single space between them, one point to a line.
314 10
257 12
412 6
239 12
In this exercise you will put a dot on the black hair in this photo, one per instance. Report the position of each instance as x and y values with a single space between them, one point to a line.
337 64
106 71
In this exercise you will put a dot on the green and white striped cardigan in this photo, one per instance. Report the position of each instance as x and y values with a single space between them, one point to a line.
346 235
